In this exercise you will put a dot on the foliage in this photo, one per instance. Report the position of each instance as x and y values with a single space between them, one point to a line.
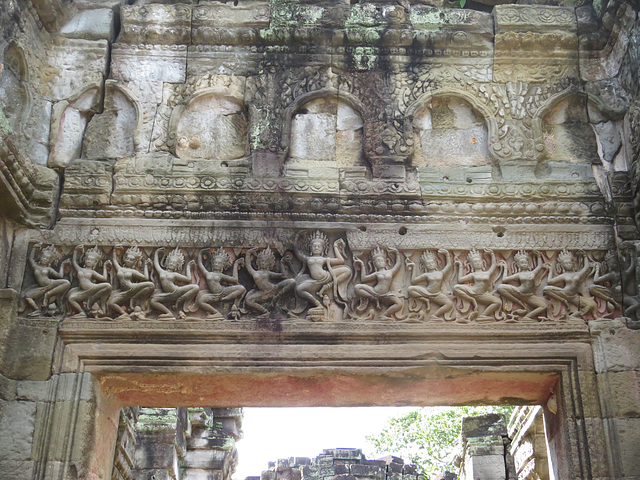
428 437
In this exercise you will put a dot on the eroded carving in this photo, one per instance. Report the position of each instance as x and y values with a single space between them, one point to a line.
52 285
568 286
222 288
475 288
176 288
302 279
93 288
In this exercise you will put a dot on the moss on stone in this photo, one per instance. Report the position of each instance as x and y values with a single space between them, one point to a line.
5 128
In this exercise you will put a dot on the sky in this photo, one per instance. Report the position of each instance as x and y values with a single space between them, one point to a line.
273 433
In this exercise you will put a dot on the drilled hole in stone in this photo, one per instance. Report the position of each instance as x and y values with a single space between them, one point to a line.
362 228
402 230
469 180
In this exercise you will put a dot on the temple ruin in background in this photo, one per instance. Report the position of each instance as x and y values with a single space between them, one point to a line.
284 202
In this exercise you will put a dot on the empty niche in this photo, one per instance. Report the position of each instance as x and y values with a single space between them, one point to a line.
111 133
326 129
213 127
567 133
69 121
450 132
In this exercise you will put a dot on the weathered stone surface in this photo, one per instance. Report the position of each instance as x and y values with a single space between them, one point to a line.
17 424
165 63
110 134
374 187
94 24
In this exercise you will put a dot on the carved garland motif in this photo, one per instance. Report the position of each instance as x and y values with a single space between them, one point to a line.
322 280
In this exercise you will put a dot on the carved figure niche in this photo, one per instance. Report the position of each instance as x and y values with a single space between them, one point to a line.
111 133
212 127
326 129
567 133
14 98
450 132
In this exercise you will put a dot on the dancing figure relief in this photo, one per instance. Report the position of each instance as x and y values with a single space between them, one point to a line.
93 287
222 288
608 286
528 279
134 285
320 274
376 285
52 286
427 287
569 286
476 287
412 285
271 286
176 289
630 297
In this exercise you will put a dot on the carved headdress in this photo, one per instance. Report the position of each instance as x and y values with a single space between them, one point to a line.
93 252
266 259
426 256
475 255
522 256
319 236
565 257
220 253
177 256
134 252
51 252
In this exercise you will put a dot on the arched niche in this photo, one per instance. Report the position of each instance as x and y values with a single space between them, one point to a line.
326 129
211 126
111 134
449 131
68 123
567 133
15 101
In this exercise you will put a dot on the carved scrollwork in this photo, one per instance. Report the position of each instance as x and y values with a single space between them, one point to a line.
318 277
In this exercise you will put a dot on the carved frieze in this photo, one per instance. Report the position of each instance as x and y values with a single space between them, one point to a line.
325 277
155 23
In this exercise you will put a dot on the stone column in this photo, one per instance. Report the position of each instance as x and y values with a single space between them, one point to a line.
211 443
486 449
160 444
616 384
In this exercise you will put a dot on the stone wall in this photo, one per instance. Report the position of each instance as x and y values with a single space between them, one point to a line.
292 202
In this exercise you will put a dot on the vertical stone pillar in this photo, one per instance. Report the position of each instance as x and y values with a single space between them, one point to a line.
486 449
211 443
528 443
159 444
617 386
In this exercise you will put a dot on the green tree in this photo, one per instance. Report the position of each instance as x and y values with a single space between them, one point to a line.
428 437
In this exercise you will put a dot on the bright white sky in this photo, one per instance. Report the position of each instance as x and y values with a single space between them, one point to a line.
273 433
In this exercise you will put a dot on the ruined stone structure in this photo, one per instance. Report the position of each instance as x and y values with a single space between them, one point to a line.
486 449
341 464
287 202
177 444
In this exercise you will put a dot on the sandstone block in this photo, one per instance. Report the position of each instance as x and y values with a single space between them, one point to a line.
628 430
624 388
33 391
17 425
538 18
164 63
154 23
94 24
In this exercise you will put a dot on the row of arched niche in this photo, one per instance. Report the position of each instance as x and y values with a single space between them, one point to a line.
326 129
